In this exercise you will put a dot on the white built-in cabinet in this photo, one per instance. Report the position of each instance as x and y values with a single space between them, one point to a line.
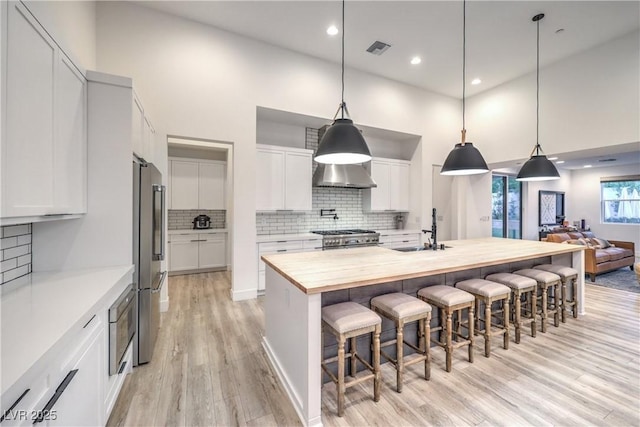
44 119
283 178
142 132
197 184
392 192
283 244
197 251
396 239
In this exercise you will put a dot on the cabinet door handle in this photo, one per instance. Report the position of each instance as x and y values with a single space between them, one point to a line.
8 411
282 250
90 320
61 388
124 365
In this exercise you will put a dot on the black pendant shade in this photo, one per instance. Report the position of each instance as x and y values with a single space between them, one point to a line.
538 168
464 159
342 144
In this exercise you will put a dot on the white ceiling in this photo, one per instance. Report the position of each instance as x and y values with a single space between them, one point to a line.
501 38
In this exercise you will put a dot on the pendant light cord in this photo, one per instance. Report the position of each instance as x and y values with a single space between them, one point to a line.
343 104
464 65
538 87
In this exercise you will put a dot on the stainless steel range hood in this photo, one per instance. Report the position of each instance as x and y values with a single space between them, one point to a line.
344 176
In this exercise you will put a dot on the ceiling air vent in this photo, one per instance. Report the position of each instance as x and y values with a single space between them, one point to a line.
378 48
607 160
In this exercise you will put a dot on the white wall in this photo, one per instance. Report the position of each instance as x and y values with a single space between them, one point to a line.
201 82
584 203
589 100
72 24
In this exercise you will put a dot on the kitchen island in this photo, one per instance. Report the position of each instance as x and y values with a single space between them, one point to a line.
299 284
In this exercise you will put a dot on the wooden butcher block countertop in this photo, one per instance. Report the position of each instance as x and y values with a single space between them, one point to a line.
323 271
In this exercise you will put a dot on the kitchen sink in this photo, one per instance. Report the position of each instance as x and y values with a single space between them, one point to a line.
416 249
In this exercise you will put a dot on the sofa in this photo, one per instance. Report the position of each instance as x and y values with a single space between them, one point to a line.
599 257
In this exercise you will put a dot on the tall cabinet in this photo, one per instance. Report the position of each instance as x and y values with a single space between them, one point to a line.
44 123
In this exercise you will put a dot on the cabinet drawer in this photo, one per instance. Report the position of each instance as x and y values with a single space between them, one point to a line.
312 245
212 237
280 246
182 237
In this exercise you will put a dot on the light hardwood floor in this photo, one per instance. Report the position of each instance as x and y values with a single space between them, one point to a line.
209 369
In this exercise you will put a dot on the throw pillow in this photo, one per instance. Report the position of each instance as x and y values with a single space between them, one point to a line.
604 244
576 242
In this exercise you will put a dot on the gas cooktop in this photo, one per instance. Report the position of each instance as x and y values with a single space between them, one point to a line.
342 232
335 239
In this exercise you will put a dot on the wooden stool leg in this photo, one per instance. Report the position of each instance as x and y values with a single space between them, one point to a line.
556 304
376 364
426 323
399 355
517 315
353 347
532 304
477 325
341 387
564 301
544 309
449 346
487 327
505 314
574 288
471 333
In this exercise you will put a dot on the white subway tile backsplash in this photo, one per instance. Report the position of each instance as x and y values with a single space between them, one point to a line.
16 230
8 242
183 219
15 252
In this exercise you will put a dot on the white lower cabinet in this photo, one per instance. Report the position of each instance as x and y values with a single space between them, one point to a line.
283 246
197 251
79 401
399 240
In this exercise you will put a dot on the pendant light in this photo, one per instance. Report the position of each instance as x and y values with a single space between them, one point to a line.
464 159
342 143
538 167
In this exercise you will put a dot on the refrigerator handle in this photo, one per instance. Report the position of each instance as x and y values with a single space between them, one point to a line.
158 246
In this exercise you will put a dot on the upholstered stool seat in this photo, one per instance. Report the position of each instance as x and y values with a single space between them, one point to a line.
520 286
450 300
402 309
548 284
488 292
567 275
348 320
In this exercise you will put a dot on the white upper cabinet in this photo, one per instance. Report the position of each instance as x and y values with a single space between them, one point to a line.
137 127
44 117
197 184
392 192
184 184
283 178
211 185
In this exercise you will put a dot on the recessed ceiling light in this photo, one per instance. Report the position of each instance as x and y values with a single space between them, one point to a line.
553 158
476 81
559 162
332 30
587 166
415 60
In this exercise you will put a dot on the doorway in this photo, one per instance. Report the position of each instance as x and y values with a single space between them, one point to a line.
201 164
506 207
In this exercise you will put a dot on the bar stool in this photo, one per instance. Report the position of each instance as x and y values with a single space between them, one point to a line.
348 320
488 292
402 309
548 285
567 274
449 300
520 286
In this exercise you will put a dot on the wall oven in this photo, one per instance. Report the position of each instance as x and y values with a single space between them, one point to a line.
122 328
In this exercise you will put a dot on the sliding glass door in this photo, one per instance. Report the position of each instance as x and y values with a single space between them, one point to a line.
506 202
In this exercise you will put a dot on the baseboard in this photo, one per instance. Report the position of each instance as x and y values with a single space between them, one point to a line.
243 294
164 305
284 380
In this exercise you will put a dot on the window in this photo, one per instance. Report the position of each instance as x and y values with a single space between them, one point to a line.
620 198
506 202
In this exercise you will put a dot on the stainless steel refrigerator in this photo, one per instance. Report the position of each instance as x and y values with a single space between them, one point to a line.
148 252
